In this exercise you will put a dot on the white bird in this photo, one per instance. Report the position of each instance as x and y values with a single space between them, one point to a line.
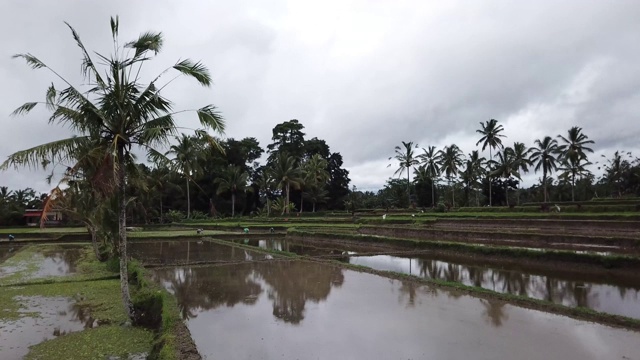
384 217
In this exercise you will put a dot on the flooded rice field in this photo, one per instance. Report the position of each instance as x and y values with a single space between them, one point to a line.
189 252
298 309
43 318
52 261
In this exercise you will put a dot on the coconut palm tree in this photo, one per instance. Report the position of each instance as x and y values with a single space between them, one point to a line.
184 158
473 171
572 167
114 112
521 156
286 174
505 167
233 179
451 158
315 175
490 132
574 145
430 160
544 156
407 160
265 183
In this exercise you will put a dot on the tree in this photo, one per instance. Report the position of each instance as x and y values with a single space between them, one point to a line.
543 156
505 167
430 160
490 137
473 171
451 159
521 158
186 154
407 161
286 174
573 166
234 179
315 176
114 113
287 138
574 146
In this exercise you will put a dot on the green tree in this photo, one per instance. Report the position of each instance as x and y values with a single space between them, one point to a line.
233 179
451 158
429 159
472 172
185 155
575 144
505 167
522 159
544 156
407 160
490 132
114 113
315 176
572 167
286 174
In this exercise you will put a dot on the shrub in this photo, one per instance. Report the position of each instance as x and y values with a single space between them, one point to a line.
175 216
147 308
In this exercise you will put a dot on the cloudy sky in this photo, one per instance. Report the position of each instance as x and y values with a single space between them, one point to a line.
362 74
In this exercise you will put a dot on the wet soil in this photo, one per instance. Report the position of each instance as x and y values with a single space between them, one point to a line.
43 318
251 310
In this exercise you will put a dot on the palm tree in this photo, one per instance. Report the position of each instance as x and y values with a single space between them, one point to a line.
521 157
234 179
450 160
265 182
407 159
186 154
430 159
490 137
286 174
472 172
543 156
315 175
572 167
114 113
505 167
575 144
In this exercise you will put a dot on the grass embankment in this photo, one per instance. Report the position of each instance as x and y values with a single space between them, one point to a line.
38 230
606 261
98 299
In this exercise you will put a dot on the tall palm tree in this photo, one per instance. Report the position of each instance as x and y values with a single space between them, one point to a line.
451 158
185 155
572 167
407 160
544 156
265 183
574 145
490 132
286 174
521 157
430 160
505 167
114 112
473 171
233 179
315 176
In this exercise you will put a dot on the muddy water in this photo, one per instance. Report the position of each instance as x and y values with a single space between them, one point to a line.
190 251
7 251
311 248
600 294
60 261
289 310
54 317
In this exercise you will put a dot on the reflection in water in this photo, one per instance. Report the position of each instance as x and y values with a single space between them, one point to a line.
59 261
331 313
288 285
190 251
620 300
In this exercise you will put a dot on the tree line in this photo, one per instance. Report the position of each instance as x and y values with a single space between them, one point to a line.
474 180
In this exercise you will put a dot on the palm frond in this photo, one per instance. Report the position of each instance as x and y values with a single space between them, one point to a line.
88 68
148 41
51 97
31 60
24 109
210 118
114 26
196 70
55 151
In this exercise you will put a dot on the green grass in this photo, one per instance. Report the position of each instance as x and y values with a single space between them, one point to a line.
97 343
172 233
37 230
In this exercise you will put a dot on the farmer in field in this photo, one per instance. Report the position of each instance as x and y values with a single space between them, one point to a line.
11 237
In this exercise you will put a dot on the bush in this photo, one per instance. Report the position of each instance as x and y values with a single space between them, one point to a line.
199 215
440 207
147 308
175 216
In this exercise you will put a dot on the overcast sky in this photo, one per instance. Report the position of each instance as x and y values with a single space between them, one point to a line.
364 75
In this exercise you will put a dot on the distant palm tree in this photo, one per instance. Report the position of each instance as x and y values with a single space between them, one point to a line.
575 144
430 161
286 174
572 167
233 179
490 137
521 155
405 155
544 156
265 183
451 159
472 172
315 175
505 167
186 154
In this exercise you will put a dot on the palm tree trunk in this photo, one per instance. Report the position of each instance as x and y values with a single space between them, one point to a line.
188 201
409 185
433 194
268 206
233 204
489 175
573 186
301 202
506 192
94 241
287 202
122 234
314 206
544 183
161 217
